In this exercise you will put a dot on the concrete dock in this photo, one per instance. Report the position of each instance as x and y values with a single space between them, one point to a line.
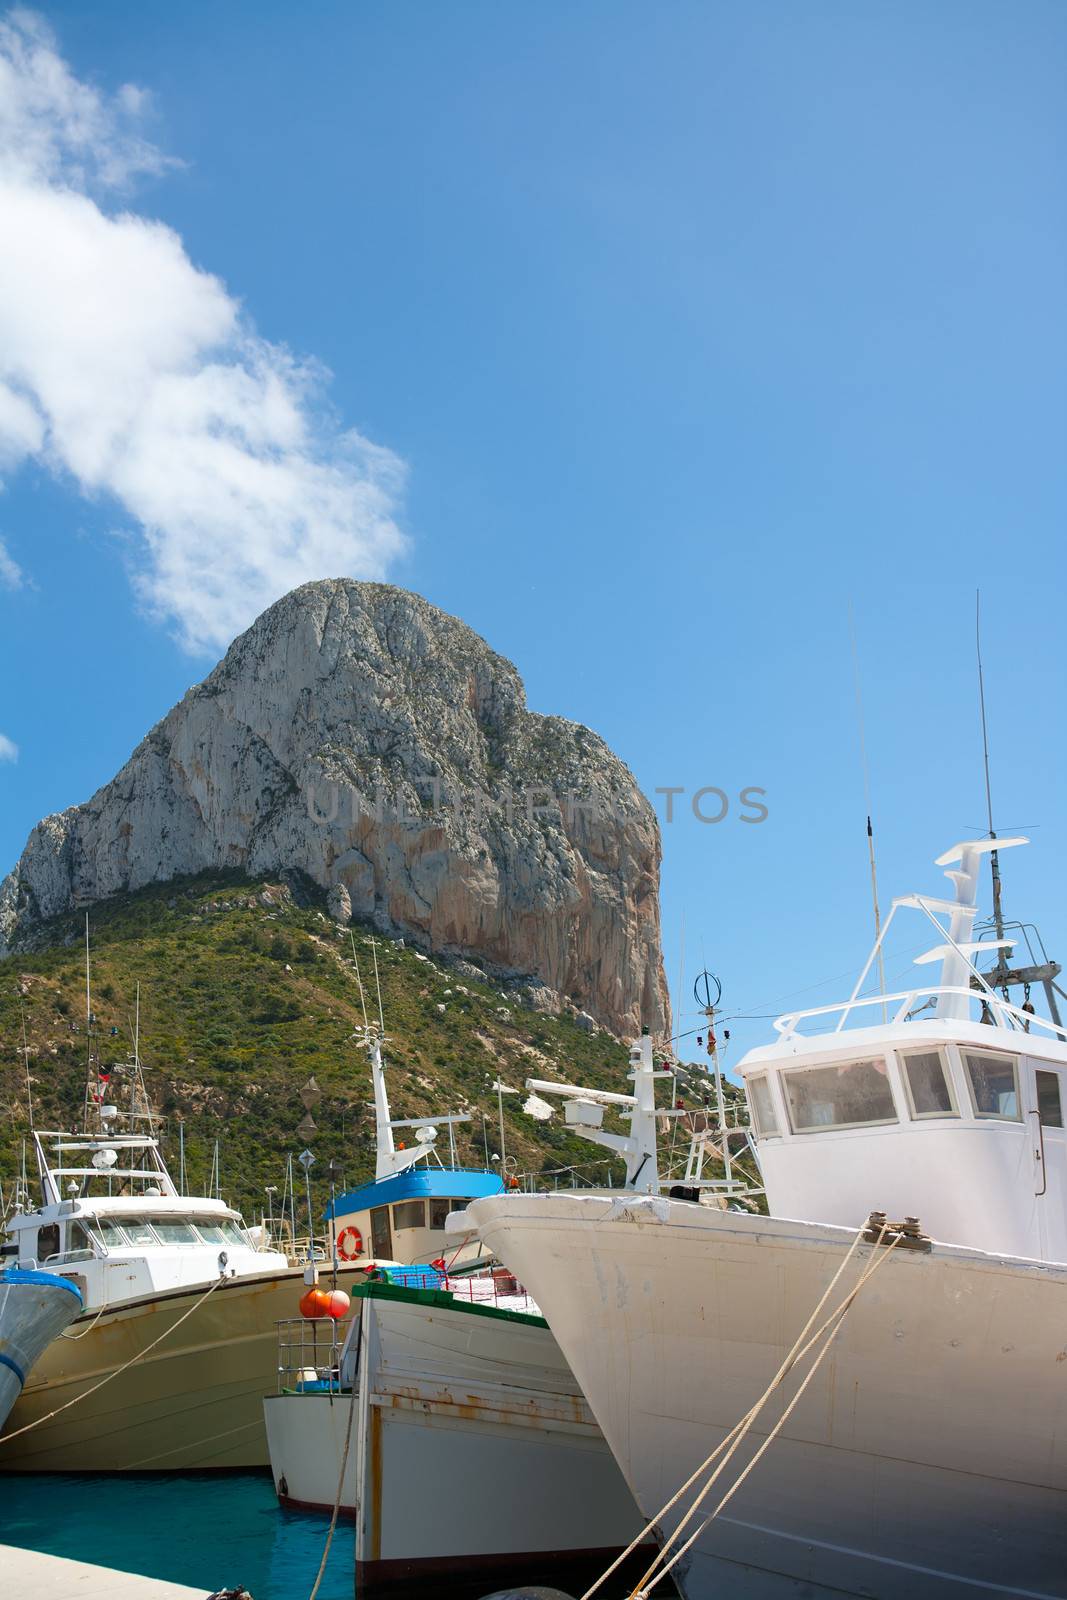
33 1576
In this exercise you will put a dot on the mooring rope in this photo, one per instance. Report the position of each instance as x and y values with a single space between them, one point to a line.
4 1437
836 1318
734 1438
340 1489
76 1336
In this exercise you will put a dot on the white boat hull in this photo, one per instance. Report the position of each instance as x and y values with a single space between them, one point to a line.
34 1309
193 1404
473 1457
306 1441
928 1456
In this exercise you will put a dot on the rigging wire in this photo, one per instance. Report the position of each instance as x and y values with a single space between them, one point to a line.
378 985
359 980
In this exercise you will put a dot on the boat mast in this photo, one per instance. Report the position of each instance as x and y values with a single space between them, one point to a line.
994 857
386 1153
91 1088
26 1067
1003 976
388 1159
584 1115
702 993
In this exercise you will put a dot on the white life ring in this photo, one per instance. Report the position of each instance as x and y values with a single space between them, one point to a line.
349 1244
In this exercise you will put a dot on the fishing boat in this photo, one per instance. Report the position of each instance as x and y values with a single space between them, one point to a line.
400 1215
167 1364
450 1424
35 1308
177 1343
864 1393
179 1313
473 1458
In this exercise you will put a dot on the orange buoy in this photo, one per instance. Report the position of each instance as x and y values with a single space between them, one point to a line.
337 1304
315 1304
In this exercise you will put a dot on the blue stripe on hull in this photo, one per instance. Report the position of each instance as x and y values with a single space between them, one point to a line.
44 1280
6 1361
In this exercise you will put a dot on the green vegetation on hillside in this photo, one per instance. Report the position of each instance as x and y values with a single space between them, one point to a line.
247 991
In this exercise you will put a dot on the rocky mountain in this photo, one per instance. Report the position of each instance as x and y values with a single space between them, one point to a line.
360 736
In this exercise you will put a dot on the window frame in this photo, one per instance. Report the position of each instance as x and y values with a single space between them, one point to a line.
193 1242
764 1078
49 1233
90 1250
1000 1056
143 1226
380 1227
401 1206
99 1226
1049 1072
840 1127
903 1057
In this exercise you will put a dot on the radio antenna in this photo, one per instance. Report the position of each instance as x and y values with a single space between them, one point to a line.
26 1062
994 856
867 798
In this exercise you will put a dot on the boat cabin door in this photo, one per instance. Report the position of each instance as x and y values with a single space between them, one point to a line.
1045 1094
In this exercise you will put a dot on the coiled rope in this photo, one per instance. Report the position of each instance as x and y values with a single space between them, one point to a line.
118 1370
830 1326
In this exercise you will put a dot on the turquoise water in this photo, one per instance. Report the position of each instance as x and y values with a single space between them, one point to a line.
209 1530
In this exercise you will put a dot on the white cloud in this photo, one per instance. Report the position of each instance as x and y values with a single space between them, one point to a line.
133 371
10 571
9 750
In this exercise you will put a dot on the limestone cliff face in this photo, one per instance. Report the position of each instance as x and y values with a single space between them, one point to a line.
360 735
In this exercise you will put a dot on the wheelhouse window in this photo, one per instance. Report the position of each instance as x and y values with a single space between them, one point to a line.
222 1232
79 1242
48 1241
175 1230
381 1237
107 1232
927 1082
138 1230
994 1084
1049 1104
409 1214
762 1102
439 1210
851 1094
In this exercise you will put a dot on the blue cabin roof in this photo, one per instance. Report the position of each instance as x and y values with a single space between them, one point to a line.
418 1183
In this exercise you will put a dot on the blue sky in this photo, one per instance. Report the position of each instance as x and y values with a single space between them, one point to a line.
680 326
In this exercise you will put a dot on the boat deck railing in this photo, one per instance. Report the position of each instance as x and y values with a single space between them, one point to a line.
309 1354
497 1288
905 1004
301 1248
